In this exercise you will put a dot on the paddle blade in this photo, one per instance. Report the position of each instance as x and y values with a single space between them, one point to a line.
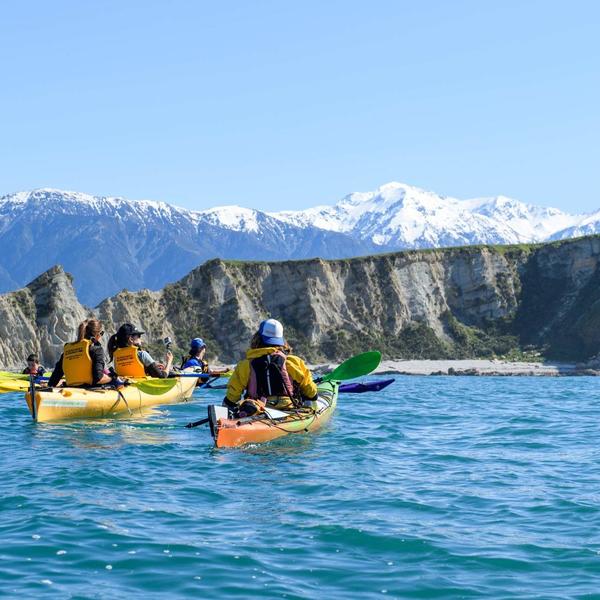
155 387
356 366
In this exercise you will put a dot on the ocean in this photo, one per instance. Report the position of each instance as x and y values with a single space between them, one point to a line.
436 487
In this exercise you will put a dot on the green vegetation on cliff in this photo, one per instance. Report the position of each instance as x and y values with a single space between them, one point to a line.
519 301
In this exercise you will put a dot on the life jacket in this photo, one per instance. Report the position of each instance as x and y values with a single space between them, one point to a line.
39 372
77 363
196 363
269 377
127 362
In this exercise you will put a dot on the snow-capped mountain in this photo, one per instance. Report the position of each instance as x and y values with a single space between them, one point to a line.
588 225
112 243
530 223
397 215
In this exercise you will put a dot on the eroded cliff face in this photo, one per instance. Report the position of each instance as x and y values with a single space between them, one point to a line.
39 318
458 302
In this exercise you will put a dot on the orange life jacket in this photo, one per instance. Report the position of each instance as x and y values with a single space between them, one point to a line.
127 362
77 363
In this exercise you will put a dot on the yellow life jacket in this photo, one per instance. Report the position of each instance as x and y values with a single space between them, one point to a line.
127 363
77 363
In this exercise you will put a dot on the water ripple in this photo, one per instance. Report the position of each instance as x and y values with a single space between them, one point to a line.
434 488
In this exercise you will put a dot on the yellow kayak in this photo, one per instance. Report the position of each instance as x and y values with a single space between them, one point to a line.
58 404
13 385
14 382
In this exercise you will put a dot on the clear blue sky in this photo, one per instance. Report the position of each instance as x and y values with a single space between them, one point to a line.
276 104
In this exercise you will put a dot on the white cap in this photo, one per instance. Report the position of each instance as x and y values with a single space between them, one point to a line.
271 332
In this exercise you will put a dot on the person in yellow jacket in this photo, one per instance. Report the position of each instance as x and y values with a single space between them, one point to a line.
82 362
269 375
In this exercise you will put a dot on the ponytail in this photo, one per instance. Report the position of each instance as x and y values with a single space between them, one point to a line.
81 330
112 345
88 329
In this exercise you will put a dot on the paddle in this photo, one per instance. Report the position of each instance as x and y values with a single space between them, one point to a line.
355 366
196 423
203 375
198 375
159 386
32 397
208 382
364 386
345 388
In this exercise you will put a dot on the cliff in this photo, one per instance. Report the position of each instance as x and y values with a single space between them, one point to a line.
476 301
39 318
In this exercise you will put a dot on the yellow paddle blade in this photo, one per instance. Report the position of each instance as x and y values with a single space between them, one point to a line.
154 387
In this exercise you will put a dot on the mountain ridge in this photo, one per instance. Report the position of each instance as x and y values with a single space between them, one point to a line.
462 302
112 243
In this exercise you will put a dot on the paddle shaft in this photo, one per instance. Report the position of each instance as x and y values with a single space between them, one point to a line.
32 396
196 423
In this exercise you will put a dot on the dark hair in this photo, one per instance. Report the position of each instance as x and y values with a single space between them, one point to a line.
33 358
88 329
121 338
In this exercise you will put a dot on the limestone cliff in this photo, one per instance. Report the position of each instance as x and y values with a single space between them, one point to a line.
458 302
39 318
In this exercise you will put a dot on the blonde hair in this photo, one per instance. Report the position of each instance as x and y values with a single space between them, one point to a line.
88 329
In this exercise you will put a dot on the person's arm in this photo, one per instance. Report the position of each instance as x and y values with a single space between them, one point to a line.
151 367
57 374
154 370
299 372
219 371
99 377
238 382
169 365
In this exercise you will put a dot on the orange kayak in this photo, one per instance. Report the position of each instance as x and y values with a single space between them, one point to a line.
230 433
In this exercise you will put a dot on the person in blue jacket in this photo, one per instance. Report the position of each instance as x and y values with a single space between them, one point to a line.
195 359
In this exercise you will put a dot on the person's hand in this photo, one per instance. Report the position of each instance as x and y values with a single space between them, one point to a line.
117 382
260 405
169 356
250 407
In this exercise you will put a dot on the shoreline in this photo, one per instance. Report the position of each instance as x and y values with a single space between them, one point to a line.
476 367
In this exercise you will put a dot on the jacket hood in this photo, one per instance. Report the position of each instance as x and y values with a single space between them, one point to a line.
256 352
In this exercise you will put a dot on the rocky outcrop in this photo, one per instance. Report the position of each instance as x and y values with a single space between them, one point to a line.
449 303
39 318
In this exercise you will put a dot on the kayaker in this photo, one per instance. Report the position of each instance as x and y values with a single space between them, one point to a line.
124 349
269 375
195 359
82 362
33 366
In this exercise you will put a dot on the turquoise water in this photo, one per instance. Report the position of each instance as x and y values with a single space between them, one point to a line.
453 487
